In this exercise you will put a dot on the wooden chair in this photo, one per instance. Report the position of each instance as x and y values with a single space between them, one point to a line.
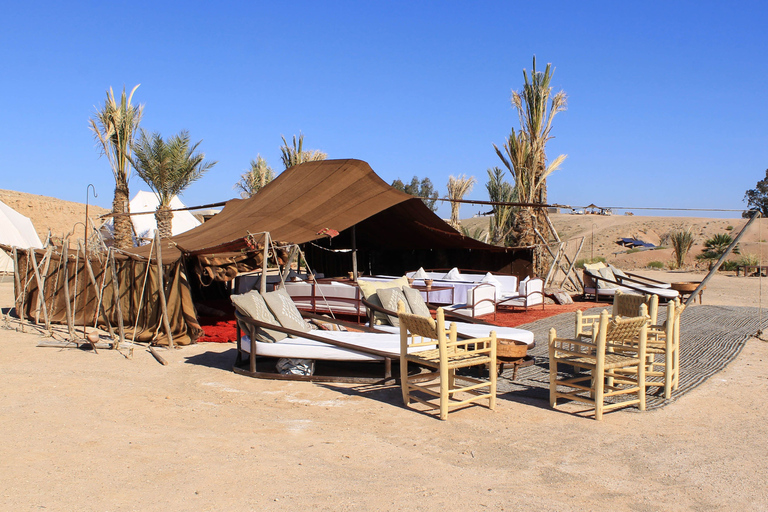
418 337
663 350
598 355
624 304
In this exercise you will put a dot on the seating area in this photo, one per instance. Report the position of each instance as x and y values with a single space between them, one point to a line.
613 356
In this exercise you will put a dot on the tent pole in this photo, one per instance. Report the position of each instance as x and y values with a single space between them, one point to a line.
354 252
573 263
99 305
46 263
163 304
264 258
116 291
40 289
703 283
65 258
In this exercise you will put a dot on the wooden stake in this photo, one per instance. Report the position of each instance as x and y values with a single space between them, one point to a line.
159 358
31 254
163 304
44 262
116 288
573 264
65 259
265 257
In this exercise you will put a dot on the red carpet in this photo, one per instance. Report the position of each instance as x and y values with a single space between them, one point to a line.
506 317
222 329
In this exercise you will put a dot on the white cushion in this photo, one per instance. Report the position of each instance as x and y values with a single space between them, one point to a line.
523 285
490 279
453 275
420 274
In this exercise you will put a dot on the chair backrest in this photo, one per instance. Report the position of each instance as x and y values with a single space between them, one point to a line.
534 291
428 331
628 304
621 330
482 299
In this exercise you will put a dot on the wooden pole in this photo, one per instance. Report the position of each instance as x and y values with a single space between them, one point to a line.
99 306
703 283
354 253
22 291
40 293
65 259
46 263
265 257
116 289
163 304
573 264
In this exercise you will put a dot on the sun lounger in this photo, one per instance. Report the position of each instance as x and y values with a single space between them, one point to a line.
282 332
600 280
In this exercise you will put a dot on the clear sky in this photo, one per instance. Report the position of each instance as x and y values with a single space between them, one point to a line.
667 101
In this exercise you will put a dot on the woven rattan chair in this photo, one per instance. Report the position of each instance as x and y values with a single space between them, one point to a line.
605 380
418 337
663 351
624 304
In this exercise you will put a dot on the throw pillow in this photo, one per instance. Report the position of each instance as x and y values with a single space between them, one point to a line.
452 275
523 286
282 306
252 305
607 274
369 290
420 274
390 297
416 302
495 282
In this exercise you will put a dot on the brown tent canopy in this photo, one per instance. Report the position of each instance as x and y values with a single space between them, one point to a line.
333 194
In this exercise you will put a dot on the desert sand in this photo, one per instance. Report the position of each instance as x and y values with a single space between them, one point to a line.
118 431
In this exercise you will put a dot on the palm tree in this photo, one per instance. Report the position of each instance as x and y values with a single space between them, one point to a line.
296 155
457 188
114 127
500 191
256 178
525 151
682 240
168 168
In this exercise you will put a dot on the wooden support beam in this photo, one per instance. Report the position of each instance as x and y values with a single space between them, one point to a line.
31 254
65 260
116 289
161 284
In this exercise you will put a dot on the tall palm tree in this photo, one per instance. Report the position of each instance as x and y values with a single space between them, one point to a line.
524 152
168 168
500 191
256 178
114 126
457 188
295 155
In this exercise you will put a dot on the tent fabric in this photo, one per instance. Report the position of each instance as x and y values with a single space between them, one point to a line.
141 314
144 226
308 199
16 230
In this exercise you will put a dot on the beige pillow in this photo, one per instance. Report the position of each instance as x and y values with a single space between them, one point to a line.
252 305
606 273
282 306
416 302
369 289
390 297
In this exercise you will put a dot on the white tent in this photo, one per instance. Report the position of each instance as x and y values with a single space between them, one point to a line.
15 230
144 226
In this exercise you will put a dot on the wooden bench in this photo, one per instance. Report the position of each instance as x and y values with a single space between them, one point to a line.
756 268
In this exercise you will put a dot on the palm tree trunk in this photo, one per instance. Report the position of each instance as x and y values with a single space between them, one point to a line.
120 204
164 218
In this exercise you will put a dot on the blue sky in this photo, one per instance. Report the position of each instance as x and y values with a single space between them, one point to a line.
667 100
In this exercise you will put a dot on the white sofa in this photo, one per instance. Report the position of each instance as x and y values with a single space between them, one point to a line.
332 297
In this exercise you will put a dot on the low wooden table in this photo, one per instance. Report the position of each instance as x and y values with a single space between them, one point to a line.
504 363
685 289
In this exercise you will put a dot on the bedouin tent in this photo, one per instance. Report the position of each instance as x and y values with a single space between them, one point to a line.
144 226
16 230
329 206
391 230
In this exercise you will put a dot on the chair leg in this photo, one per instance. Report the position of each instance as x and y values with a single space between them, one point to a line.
668 371
599 387
444 392
404 381
493 374
641 385
552 378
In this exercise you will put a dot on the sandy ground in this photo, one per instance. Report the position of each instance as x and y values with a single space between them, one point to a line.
85 431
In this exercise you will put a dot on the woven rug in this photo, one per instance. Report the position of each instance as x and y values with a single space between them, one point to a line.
710 338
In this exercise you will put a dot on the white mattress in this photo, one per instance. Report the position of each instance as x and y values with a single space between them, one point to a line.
310 349
479 331
661 292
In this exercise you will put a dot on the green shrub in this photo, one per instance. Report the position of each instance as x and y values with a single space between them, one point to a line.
655 264
716 246
749 259
580 263
729 228
633 250
729 265
682 241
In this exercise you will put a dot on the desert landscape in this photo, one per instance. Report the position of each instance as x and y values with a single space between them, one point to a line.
118 431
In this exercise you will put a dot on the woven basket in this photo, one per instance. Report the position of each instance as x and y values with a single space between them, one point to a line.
511 349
